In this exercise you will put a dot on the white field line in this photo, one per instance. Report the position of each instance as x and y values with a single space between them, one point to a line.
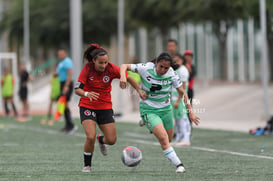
49 131
231 152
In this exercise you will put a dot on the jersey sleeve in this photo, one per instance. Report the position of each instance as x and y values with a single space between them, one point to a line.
116 72
176 81
68 64
83 75
184 74
138 68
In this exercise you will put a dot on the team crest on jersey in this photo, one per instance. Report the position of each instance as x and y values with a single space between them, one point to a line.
106 79
165 82
87 112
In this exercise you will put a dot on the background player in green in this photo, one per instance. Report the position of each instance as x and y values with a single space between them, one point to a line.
7 83
182 123
54 95
157 80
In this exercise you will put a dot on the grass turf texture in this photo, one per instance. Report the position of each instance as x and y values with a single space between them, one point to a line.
31 151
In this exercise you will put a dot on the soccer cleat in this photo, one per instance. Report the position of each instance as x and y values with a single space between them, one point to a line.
50 123
180 169
183 143
73 130
86 169
43 122
103 148
141 123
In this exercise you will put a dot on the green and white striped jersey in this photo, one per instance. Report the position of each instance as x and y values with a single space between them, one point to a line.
183 74
157 87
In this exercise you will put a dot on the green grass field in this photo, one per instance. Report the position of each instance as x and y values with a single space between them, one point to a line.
31 151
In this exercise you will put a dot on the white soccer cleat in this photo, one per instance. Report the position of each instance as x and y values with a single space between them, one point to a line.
103 148
180 169
183 143
86 169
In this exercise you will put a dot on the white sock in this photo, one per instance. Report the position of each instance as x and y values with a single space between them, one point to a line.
186 129
171 155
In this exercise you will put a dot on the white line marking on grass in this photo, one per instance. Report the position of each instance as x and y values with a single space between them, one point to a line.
49 131
43 130
231 152
136 135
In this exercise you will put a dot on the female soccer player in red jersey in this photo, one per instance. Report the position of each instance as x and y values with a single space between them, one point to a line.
94 87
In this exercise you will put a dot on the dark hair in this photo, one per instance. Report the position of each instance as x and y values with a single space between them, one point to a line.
93 51
166 57
172 40
181 57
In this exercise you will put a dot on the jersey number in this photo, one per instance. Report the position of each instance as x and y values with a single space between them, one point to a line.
155 87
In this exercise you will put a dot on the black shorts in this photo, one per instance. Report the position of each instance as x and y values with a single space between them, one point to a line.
100 116
23 93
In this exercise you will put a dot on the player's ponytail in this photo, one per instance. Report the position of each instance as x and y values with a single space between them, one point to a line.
93 51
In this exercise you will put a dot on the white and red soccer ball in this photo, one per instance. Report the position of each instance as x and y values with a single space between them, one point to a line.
131 156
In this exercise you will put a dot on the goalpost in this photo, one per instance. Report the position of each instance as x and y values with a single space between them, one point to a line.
9 58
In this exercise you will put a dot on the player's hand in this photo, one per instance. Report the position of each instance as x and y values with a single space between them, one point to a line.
194 118
122 82
176 105
93 95
142 94
65 90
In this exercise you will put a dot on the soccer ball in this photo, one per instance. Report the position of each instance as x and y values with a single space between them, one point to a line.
131 156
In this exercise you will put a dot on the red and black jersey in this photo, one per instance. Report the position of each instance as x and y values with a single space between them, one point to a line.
99 82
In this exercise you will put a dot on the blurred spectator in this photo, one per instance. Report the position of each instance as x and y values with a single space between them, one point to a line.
172 47
133 92
64 70
7 83
189 56
23 89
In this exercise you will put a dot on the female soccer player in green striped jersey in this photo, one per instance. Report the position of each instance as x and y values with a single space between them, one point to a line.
157 80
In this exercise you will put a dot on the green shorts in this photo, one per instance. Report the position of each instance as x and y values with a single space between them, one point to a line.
151 118
179 112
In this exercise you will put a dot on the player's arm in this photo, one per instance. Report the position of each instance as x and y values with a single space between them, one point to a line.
135 85
177 102
68 81
192 116
80 92
123 79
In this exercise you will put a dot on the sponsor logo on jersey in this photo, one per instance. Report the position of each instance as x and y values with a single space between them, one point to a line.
161 82
106 79
91 78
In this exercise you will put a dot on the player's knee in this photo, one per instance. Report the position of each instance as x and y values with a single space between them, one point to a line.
91 138
112 140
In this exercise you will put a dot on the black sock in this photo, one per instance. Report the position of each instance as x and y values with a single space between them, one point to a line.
6 108
181 164
101 139
14 109
87 159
